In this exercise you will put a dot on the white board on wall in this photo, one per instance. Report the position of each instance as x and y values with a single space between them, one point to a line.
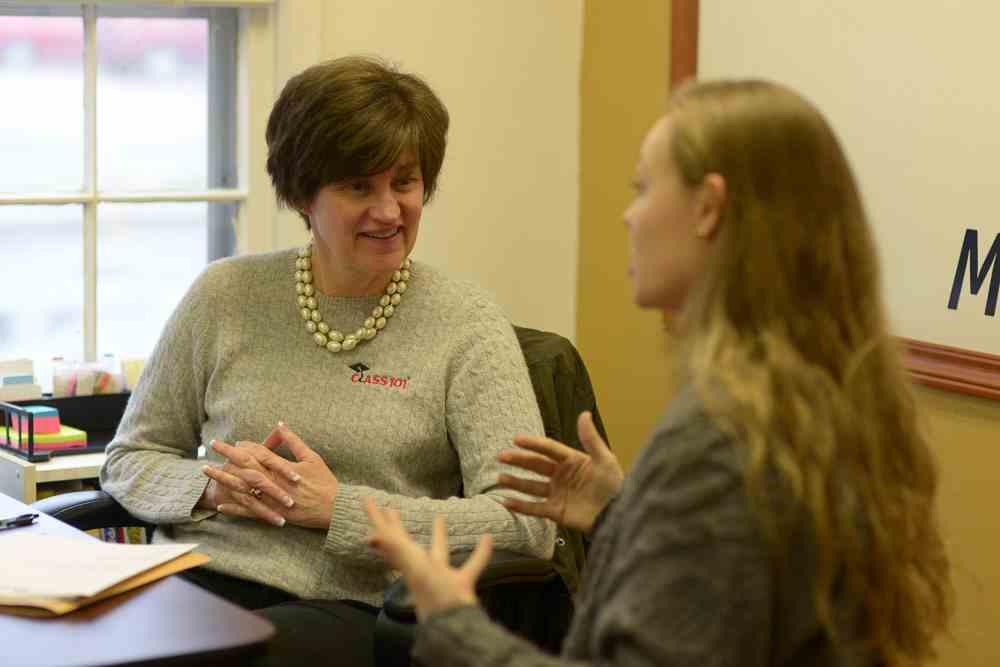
912 91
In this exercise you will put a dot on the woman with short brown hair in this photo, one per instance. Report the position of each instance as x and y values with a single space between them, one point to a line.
342 369
352 116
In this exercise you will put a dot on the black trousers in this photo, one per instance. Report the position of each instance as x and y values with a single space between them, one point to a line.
331 633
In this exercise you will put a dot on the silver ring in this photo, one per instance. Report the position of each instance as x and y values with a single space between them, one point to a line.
255 492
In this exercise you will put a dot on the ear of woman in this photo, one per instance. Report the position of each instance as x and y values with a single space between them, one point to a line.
711 200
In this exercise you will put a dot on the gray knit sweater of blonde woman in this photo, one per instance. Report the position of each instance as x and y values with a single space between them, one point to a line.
414 419
679 574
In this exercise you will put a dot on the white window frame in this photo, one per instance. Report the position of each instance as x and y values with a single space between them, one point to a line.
255 207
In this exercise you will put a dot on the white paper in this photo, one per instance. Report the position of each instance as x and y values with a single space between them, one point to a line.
56 566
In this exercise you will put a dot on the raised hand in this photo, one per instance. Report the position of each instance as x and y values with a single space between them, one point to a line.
434 584
308 482
577 485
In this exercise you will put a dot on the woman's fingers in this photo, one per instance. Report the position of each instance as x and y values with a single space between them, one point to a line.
253 456
244 480
245 505
275 463
238 455
547 447
530 486
260 508
230 481
299 449
273 438
238 498
439 541
529 508
374 514
232 509
265 458
479 559
386 525
591 440
391 540
528 461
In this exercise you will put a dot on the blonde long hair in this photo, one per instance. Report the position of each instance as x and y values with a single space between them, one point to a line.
788 322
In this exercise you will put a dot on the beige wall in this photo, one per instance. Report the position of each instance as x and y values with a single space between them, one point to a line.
965 432
623 90
505 215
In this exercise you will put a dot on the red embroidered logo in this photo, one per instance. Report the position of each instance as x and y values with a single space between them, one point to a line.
359 377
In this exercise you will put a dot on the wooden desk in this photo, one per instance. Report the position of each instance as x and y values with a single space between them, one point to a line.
168 622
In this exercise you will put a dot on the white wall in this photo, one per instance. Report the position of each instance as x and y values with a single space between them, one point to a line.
506 212
911 89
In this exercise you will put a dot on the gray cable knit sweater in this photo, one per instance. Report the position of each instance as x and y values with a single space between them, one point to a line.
678 575
443 388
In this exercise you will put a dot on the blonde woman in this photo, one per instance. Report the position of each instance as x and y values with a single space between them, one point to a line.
783 510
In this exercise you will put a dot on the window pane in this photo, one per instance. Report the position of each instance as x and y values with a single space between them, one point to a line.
152 91
41 113
147 257
41 313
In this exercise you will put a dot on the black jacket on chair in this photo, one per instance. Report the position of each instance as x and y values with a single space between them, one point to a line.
531 597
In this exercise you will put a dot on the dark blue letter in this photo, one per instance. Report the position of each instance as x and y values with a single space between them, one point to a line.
977 274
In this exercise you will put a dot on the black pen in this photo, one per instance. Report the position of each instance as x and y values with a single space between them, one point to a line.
16 521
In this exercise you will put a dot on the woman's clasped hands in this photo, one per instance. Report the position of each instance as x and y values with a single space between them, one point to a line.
257 483
575 487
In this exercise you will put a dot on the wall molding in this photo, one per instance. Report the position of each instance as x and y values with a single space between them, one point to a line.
953 368
683 40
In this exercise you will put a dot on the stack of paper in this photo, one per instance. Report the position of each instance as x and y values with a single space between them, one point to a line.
66 437
49 575
17 381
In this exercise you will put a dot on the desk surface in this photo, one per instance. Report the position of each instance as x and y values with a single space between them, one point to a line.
167 622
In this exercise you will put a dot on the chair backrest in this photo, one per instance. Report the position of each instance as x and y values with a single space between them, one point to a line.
563 390
542 612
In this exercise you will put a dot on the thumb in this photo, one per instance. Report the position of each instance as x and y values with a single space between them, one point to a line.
273 438
299 449
591 440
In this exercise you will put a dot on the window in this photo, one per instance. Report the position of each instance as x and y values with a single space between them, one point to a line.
118 177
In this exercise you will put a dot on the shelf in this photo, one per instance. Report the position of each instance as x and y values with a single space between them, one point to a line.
62 468
98 415
19 478
100 412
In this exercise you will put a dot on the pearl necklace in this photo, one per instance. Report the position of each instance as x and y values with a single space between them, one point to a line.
321 333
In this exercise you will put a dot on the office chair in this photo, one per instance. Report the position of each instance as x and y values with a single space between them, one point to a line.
532 597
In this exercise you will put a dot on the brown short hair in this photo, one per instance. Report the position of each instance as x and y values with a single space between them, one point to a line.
351 117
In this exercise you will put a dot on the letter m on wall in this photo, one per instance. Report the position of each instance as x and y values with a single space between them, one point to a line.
969 260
